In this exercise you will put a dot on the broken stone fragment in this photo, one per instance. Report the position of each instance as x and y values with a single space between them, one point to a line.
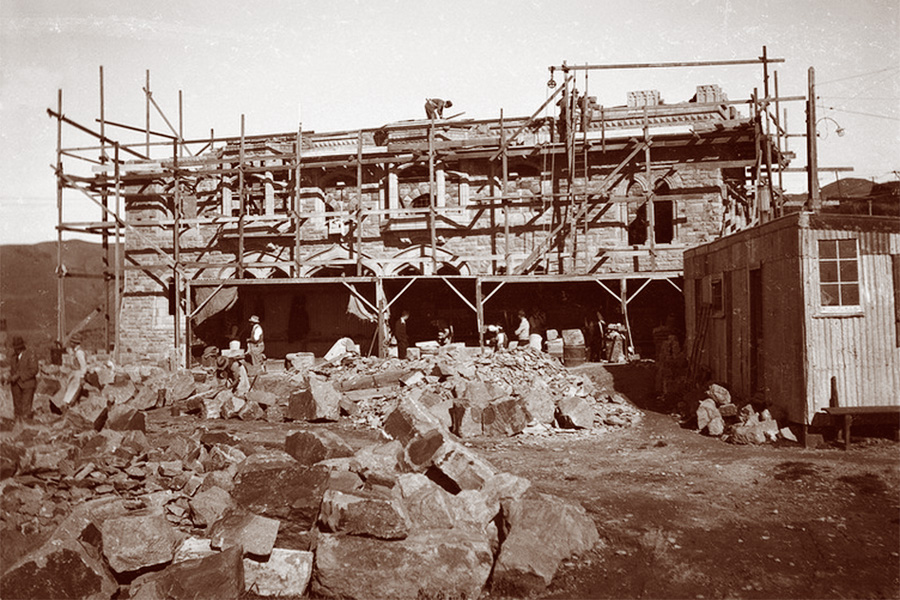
362 513
718 394
219 575
310 447
408 420
251 411
446 563
573 412
61 568
427 505
254 533
728 410
461 468
504 417
126 418
286 573
319 402
134 542
706 412
213 404
89 412
181 386
232 406
191 548
539 403
119 392
540 532
208 506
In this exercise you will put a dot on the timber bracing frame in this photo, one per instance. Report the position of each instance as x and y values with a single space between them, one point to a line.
570 209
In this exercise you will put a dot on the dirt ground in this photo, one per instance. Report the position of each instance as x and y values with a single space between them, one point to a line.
683 515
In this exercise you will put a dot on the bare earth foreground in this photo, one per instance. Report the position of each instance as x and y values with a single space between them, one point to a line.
683 515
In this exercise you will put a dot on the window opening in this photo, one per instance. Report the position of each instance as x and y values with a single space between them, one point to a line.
838 273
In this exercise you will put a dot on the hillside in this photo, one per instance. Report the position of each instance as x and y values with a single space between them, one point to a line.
856 196
28 285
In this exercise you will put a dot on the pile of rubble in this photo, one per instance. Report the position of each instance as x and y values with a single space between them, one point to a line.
113 511
504 393
719 416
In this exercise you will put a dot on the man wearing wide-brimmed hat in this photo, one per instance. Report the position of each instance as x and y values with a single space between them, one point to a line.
23 378
256 346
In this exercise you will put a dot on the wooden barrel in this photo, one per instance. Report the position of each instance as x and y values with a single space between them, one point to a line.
573 355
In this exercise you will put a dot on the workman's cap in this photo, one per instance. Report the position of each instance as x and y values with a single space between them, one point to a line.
18 343
254 319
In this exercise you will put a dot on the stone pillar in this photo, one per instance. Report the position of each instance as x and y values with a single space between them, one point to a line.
440 180
393 188
269 203
226 201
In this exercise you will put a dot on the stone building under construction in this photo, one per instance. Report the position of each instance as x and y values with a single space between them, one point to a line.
574 209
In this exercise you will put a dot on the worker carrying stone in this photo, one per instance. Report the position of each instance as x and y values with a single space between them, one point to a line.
434 107
256 346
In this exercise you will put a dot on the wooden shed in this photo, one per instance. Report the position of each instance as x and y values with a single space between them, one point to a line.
802 312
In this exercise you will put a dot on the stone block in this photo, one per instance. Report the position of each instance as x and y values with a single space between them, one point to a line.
310 447
539 403
285 574
427 505
254 533
61 568
319 402
134 542
125 418
212 405
180 387
379 462
541 531
573 412
232 406
251 411
504 417
439 406
90 412
461 467
300 361
264 398
275 485
192 548
219 575
718 394
408 420
119 392
362 513
445 563
209 505
412 378
145 398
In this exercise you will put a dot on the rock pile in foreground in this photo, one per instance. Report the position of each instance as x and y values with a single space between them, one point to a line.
208 515
96 505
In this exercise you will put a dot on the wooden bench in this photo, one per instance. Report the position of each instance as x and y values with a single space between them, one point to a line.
846 414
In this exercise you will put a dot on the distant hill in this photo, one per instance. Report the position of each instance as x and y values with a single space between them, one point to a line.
856 196
28 288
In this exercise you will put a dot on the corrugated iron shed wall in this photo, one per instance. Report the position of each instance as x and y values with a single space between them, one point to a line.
858 348
802 346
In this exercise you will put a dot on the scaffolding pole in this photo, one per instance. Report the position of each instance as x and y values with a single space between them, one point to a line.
60 266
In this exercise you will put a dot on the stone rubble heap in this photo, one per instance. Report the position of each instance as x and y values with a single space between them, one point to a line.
504 393
209 515
719 416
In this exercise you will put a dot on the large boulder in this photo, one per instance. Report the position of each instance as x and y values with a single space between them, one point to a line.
285 573
427 505
461 467
574 412
363 513
208 506
319 402
254 533
310 447
446 563
275 485
217 576
133 542
61 568
541 531
539 403
408 420
504 417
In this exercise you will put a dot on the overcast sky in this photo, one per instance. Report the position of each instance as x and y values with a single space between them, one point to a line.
345 64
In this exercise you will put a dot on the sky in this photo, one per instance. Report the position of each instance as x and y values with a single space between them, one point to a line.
345 64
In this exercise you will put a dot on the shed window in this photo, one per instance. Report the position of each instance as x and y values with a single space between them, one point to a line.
839 272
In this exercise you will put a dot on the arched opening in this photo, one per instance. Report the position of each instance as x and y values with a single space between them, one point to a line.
663 215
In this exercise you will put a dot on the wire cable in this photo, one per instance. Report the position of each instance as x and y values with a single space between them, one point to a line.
857 76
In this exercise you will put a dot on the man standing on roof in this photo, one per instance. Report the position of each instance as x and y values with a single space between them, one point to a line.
434 107
256 347
22 378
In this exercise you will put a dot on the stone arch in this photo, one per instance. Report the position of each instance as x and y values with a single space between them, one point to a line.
420 262
329 267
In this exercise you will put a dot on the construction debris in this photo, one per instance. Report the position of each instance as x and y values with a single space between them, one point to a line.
140 513
719 417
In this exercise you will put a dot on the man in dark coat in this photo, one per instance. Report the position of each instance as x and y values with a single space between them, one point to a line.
401 335
23 378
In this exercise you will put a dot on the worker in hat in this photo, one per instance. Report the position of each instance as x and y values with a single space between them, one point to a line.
256 347
434 107
23 378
